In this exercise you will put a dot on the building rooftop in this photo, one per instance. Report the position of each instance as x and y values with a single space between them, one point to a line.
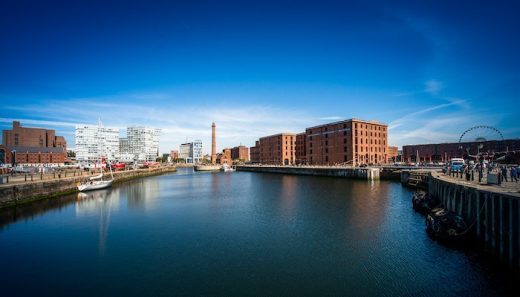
27 149
279 134
350 120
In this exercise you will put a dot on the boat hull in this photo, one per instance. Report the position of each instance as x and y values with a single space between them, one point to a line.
207 168
97 185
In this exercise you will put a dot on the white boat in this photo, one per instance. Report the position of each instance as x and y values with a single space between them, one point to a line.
97 182
95 185
227 168
207 167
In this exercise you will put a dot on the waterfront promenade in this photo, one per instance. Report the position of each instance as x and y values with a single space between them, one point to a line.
509 187
365 173
26 191
21 177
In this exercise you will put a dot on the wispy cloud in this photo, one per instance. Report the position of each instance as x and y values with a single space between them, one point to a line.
331 118
38 122
432 87
413 115
237 125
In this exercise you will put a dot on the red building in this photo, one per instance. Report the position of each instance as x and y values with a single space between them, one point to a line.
174 155
254 152
347 142
443 152
31 146
224 157
392 153
240 153
276 149
301 152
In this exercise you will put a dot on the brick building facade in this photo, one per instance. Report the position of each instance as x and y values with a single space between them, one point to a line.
240 153
31 155
20 136
300 152
391 154
279 149
32 146
443 152
254 153
347 142
225 157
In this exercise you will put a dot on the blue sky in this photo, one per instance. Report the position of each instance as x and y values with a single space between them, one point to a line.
429 69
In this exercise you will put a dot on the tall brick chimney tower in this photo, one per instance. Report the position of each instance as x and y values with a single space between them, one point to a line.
213 145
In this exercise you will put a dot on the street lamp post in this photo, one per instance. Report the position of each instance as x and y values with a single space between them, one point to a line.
13 158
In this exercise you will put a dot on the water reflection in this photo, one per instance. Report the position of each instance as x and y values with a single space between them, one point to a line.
32 210
101 203
235 234
142 194
289 195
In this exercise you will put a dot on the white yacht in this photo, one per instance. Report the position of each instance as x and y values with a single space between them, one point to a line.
227 168
97 182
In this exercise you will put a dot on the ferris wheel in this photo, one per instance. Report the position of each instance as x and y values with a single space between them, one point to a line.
481 134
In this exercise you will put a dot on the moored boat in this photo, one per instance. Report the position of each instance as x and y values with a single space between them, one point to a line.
208 167
443 224
227 168
95 185
424 203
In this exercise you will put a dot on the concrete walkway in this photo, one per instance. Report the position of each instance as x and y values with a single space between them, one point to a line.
505 187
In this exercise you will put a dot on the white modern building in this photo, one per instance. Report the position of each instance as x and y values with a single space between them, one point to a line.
197 151
191 152
185 152
93 142
141 143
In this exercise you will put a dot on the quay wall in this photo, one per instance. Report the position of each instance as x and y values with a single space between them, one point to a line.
356 173
15 194
493 216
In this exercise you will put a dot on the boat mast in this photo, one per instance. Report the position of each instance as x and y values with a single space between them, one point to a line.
100 145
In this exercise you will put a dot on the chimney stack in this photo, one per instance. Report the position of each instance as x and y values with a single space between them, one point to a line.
213 145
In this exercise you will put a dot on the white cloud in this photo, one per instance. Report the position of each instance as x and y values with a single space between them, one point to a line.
433 87
331 118
38 122
413 116
235 125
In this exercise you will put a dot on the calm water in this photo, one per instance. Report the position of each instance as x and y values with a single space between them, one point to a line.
235 234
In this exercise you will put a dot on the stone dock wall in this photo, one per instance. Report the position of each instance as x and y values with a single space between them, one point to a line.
493 216
15 194
356 173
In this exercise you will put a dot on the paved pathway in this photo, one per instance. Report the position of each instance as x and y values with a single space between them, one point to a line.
504 187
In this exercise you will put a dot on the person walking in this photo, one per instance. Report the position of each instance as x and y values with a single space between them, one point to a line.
513 174
504 173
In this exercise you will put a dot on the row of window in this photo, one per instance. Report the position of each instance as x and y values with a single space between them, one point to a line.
372 141
366 126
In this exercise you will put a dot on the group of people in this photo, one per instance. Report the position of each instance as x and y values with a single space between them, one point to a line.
472 171
514 173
